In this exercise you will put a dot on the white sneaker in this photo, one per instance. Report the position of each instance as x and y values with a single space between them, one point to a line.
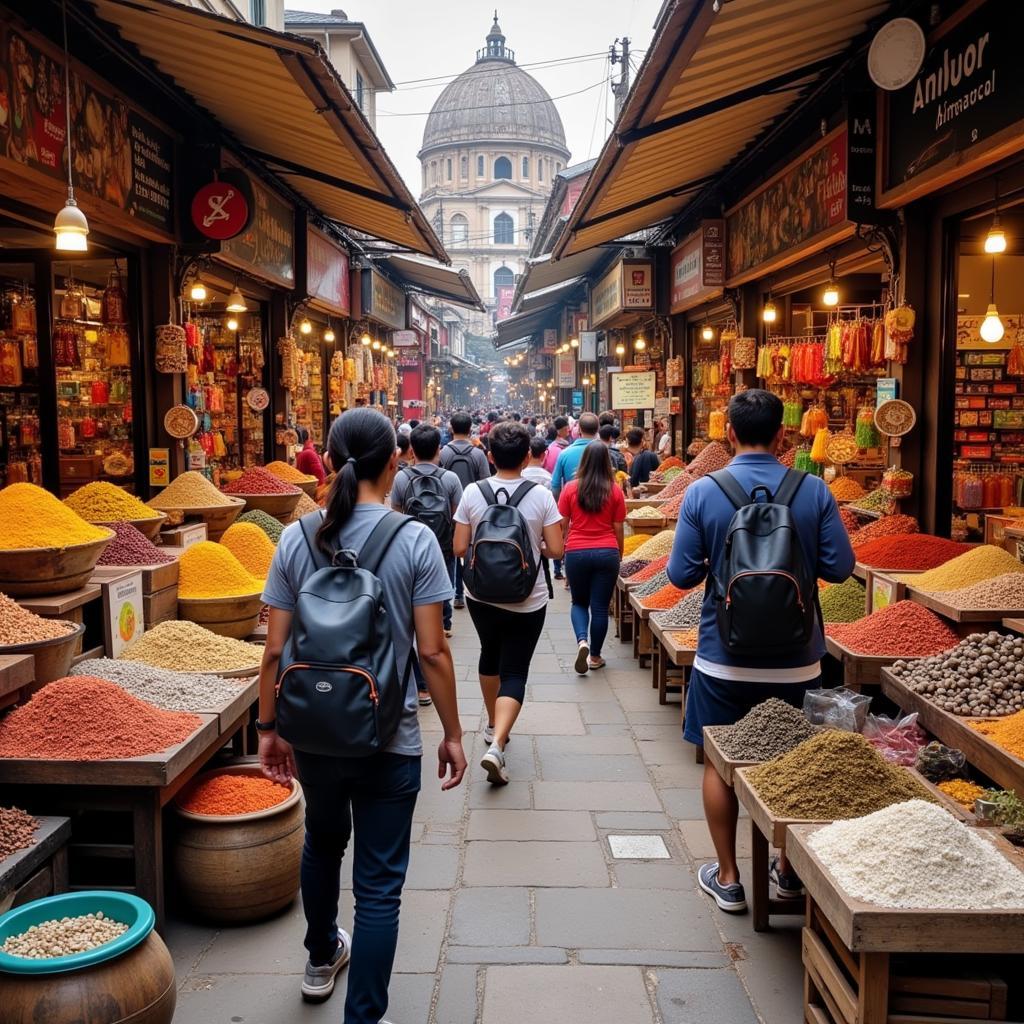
489 735
582 654
318 982
493 762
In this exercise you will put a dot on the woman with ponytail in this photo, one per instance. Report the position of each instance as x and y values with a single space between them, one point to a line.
370 796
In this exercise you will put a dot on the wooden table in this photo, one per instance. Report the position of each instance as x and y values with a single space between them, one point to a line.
623 611
669 662
643 641
38 870
649 527
722 763
17 671
1017 625
962 616
860 669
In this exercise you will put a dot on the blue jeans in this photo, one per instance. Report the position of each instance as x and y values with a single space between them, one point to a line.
558 566
591 582
375 795
460 590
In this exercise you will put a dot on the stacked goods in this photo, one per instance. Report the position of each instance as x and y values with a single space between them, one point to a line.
19 626
909 552
982 677
962 791
685 638
649 571
712 458
232 794
268 524
256 480
64 937
1007 733
836 774
844 602
652 585
980 563
174 691
670 509
916 855
667 597
304 506
675 488
211 570
646 512
629 545
289 474
684 615
184 646
33 518
1005 592
849 520
17 831
903 630
632 565
887 526
101 502
845 488
771 728
251 546
656 546
129 547
190 490
878 500
82 718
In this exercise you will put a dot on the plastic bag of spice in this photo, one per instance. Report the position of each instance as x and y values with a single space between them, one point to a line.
897 739
838 708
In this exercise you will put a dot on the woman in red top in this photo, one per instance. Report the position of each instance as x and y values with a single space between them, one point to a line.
308 461
593 511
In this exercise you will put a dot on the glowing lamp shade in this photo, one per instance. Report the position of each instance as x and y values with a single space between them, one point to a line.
198 292
329 336
236 302
574 342
831 295
232 324
620 349
992 329
365 340
769 314
707 332
306 327
995 240
70 228
376 345
639 344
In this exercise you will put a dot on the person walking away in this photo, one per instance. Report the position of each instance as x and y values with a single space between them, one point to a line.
430 494
760 628
469 463
307 459
536 472
499 528
609 434
593 514
558 444
645 462
355 780
569 460
405 455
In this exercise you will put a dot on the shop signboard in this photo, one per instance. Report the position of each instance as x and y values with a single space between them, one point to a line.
222 209
122 158
407 359
634 390
417 316
504 310
567 371
405 339
381 300
800 210
328 279
577 401
550 341
627 287
963 110
588 346
862 146
267 247
159 467
697 266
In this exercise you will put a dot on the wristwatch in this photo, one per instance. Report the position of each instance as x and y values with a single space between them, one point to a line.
265 726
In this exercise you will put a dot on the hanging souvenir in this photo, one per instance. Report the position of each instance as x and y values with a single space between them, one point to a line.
114 304
22 312
716 425
171 349
117 345
72 302
10 364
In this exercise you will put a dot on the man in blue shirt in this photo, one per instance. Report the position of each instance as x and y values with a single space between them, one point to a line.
569 460
723 686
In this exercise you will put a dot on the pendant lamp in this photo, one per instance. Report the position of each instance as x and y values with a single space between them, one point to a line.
70 228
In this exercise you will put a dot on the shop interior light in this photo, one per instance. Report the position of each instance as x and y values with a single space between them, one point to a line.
620 349
574 342
376 345
198 292
365 340
831 294
70 228
329 336
305 327
236 301
995 240
707 332
232 324
640 344
769 314
992 329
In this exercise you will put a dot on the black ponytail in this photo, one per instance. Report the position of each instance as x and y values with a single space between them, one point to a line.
360 444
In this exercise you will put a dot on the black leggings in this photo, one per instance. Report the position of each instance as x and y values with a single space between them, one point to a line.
507 642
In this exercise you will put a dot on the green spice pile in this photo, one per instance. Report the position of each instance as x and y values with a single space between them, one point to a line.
17 830
268 524
772 728
835 774
844 602
20 626
187 647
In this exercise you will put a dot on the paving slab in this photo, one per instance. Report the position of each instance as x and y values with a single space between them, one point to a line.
699 996
589 746
457 997
433 866
582 768
602 714
515 795
638 821
421 929
638 847
549 719
683 804
654 958
565 826
674 874
491 917
507 955
534 864
572 691
595 796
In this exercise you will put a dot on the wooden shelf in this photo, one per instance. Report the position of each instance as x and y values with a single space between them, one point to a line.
52 834
976 615
53 606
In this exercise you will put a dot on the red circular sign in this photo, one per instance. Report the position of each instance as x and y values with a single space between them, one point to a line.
220 210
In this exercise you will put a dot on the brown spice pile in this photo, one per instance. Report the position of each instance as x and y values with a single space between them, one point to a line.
20 626
17 830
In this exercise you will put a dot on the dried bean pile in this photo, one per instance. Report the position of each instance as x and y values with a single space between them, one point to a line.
256 480
633 565
712 458
771 728
232 794
130 547
175 691
186 646
64 936
1001 593
675 488
1007 733
649 571
910 552
845 488
904 629
268 524
980 563
17 830
887 526
304 506
646 512
850 520
656 546
671 508
982 677
685 637
685 615
20 626
190 490
844 602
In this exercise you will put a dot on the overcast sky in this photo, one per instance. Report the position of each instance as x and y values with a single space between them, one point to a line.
440 40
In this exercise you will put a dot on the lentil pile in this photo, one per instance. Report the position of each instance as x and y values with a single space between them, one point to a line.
771 728
904 629
980 563
17 830
1007 733
33 518
288 473
962 791
251 546
130 547
102 502
685 615
649 571
1001 593
304 506
209 570
646 512
185 646
190 490
651 585
19 626
233 794
982 677
631 566
835 774
82 718
915 855
64 936
268 524
685 637
670 509
909 552
656 546
844 602
845 488
631 543
712 458
667 597
887 526
256 480
173 691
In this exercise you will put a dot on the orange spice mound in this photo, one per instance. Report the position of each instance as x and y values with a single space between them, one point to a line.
233 794
668 597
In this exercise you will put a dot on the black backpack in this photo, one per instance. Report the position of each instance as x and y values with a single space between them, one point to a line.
500 567
765 598
427 501
340 692
461 464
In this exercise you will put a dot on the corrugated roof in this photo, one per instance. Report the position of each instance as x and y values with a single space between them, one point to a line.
523 326
435 279
283 102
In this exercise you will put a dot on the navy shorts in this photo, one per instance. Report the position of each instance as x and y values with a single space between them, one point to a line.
711 701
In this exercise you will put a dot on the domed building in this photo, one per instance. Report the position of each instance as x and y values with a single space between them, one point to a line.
491 149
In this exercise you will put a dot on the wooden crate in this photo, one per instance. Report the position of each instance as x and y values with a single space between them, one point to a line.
723 764
643 641
975 617
669 663
160 606
649 527
17 674
860 669
40 869
624 618
885 587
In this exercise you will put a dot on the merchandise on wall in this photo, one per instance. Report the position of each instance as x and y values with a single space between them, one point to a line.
304 398
20 441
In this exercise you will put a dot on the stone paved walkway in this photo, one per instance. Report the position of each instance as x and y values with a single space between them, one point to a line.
516 909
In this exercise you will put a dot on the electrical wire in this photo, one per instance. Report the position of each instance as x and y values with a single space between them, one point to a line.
494 106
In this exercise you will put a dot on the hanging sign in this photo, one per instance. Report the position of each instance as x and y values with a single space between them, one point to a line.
267 246
860 158
328 279
588 346
627 287
550 341
697 266
221 210
634 390
258 399
417 316
159 467
405 339
504 310
380 299
567 371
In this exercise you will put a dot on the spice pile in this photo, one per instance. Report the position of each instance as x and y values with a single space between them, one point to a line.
64 937
656 546
1001 593
631 543
304 506
33 518
962 791
81 718
835 774
267 523
685 638
878 500
211 570
675 488
631 566
651 585
256 480
288 473
102 502
844 602
887 526
980 563
915 855
174 691
20 626
649 571
712 458
1007 733
850 521
251 546
190 490
845 488
670 509
17 831
186 646
646 512
233 794
982 677
130 547
684 615
667 597
909 552
904 629
771 728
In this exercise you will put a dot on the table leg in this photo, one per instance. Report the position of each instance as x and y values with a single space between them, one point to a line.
759 877
60 870
147 823
873 988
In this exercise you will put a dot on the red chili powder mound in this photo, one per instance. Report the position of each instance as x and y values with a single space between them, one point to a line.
904 630
850 520
256 480
910 551
82 718
233 794
887 526
649 571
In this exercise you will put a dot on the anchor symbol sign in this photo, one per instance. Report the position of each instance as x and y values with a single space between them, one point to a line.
220 210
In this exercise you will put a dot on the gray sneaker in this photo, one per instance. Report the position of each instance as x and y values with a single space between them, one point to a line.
730 898
318 982
489 736
787 887
493 762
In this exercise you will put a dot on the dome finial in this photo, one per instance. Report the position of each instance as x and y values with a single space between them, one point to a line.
495 48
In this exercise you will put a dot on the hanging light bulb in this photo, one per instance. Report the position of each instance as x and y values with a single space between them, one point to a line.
995 240
574 342
232 324
707 332
365 340
831 294
376 345
769 314
329 336
620 349
640 344
992 329
305 327
236 302
198 292
70 227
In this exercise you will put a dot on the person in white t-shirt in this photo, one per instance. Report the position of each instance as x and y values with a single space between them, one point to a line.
535 470
508 632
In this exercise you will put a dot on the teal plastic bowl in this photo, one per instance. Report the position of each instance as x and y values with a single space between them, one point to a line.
128 909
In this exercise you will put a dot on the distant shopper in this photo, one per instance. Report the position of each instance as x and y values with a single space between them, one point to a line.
609 434
645 462
767 641
558 444
307 459
662 439
569 460
405 455
535 470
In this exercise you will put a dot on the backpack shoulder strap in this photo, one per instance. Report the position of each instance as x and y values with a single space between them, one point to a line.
437 472
786 491
487 491
729 486
309 524
376 545
521 491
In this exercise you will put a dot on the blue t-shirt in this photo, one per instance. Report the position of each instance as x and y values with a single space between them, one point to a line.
412 573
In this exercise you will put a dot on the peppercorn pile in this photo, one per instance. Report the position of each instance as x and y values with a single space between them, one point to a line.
1001 593
845 488
268 524
174 691
835 774
190 490
887 526
844 602
904 629
130 547
909 552
771 728
684 615
211 570
232 794
667 597
651 585
20 626
649 571
64 937
17 831
256 480
186 646
712 458
289 474
982 677
980 563
1007 733
33 518
251 546
656 546
962 791
81 718
633 565
102 502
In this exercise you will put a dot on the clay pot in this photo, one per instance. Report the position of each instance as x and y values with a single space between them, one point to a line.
149 528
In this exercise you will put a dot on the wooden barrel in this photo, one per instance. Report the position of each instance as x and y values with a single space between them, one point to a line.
35 571
236 617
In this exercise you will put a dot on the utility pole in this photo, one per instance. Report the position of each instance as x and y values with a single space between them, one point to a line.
620 89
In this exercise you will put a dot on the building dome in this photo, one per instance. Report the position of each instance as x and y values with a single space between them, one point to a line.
494 101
